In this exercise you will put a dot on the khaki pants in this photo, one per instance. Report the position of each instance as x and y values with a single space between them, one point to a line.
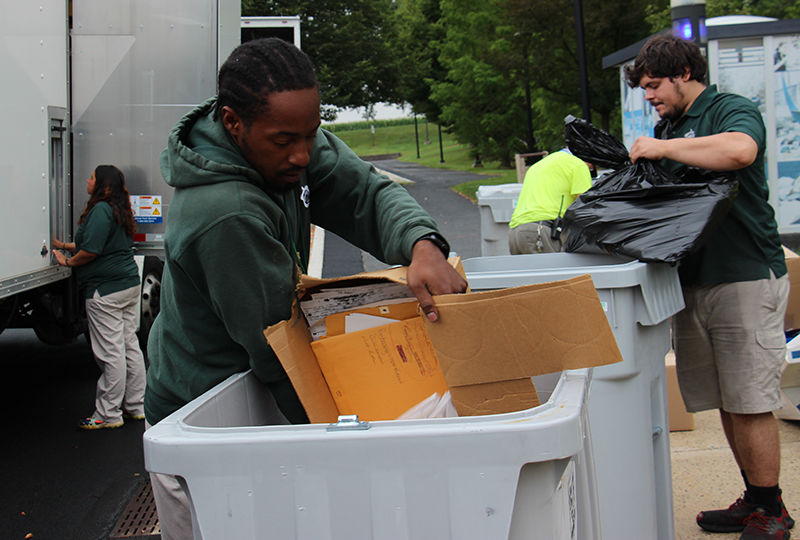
112 330
533 237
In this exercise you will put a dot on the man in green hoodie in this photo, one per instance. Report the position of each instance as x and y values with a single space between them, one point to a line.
252 170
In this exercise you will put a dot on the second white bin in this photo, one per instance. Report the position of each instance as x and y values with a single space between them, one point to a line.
627 401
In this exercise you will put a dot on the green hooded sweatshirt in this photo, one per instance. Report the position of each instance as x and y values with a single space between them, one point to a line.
233 245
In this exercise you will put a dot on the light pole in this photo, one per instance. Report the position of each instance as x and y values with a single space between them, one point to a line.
581 50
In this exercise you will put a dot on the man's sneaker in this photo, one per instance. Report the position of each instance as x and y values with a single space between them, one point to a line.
96 423
760 525
130 416
733 518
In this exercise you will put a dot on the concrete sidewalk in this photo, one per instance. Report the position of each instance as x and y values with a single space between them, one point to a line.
705 475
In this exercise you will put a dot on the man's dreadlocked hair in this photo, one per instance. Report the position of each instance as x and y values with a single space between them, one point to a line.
258 68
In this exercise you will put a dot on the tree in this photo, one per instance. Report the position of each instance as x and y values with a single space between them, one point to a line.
513 63
479 98
550 28
418 39
348 40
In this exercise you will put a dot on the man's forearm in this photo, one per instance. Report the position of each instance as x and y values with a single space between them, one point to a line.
721 152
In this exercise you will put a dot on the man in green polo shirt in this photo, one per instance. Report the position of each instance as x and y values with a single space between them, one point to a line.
729 341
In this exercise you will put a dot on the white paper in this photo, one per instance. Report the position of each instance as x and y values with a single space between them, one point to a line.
362 321
433 406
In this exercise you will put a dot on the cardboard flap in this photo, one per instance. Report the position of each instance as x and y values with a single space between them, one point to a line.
495 398
521 332
291 342
397 274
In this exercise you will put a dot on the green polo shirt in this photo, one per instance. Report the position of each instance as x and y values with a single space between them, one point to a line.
114 268
746 245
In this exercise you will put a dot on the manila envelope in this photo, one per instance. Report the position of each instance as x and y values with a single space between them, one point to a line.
381 372
334 324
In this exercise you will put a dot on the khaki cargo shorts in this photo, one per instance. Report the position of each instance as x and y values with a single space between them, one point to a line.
730 346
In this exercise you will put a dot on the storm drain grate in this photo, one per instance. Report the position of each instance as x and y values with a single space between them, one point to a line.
139 518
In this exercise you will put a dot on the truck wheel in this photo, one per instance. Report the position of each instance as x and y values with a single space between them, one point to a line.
51 332
151 298
8 308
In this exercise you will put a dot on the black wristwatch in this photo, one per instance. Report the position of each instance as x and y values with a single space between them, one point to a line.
439 240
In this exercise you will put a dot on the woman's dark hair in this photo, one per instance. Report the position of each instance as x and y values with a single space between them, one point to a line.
258 68
109 186
667 56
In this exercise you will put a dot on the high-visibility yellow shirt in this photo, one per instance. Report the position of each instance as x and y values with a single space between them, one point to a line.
550 186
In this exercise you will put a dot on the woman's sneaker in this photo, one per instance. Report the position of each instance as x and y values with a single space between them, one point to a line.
131 416
733 518
96 423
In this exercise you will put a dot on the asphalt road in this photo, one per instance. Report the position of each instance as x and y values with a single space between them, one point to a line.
62 483
457 216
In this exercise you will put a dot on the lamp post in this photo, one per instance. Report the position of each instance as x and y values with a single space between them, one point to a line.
581 50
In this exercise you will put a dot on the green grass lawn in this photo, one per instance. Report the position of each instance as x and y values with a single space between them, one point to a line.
400 139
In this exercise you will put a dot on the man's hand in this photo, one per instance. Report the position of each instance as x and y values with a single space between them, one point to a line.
647 148
429 273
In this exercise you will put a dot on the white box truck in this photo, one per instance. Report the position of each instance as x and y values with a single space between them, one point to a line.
88 82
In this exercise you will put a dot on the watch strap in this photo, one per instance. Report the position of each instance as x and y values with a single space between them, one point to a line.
439 240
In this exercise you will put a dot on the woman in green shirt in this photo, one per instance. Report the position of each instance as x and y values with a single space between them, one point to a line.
109 279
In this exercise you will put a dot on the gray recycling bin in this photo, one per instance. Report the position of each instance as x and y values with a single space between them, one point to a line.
496 206
627 402
517 476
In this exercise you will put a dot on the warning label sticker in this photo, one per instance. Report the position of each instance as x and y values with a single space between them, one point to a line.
147 208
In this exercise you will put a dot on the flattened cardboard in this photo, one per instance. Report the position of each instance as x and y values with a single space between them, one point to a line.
510 334
493 398
291 342
791 320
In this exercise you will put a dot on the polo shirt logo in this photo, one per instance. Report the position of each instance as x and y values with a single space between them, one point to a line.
689 134
305 196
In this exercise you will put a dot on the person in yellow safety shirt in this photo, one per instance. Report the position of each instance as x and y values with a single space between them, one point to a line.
550 186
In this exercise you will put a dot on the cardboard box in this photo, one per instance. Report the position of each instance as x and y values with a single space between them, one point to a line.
790 383
679 418
488 344
792 318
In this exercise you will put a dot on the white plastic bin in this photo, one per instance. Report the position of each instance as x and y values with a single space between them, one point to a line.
496 206
627 401
527 474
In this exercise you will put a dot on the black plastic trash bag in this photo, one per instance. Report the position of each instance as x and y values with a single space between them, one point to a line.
641 210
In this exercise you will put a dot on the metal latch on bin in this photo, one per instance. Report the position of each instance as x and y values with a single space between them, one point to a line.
349 422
